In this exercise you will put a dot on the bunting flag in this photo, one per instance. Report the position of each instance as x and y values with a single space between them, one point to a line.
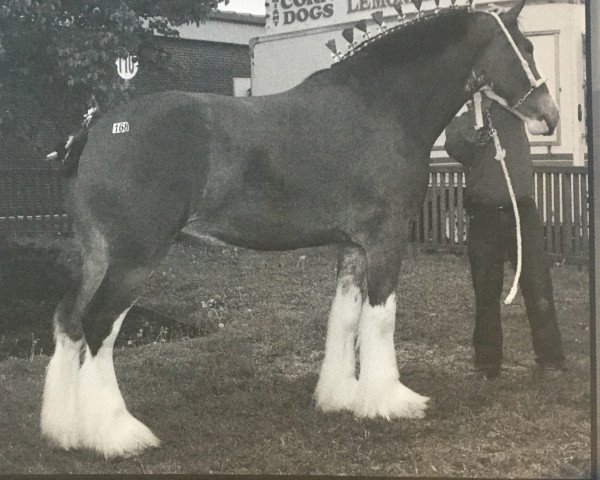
348 34
332 46
362 26
418 4
378 18
398 7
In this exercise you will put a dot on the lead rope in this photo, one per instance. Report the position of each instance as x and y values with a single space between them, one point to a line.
500 156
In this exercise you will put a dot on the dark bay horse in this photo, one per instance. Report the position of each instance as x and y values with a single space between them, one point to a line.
340 159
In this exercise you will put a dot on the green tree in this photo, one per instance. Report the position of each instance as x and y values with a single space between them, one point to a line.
58 56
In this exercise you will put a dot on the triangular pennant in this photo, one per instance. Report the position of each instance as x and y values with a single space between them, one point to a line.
453 2
362 26
331 46
378 17
348 34
418 4
437 3
398 7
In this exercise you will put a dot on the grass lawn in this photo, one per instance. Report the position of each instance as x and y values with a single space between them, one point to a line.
239 400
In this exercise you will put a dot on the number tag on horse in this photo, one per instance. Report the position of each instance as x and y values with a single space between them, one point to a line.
120 127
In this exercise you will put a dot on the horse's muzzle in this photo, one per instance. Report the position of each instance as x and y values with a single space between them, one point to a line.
546 117
543 126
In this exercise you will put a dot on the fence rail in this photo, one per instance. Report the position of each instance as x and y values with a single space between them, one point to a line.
33 201
561 195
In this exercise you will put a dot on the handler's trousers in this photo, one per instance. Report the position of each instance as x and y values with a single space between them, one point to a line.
492 235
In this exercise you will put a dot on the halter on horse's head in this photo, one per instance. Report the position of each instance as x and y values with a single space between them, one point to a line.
526 93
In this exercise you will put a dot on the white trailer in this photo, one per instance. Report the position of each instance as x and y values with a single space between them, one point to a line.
296 32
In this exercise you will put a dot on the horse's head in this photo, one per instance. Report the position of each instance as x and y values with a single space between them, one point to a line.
509 69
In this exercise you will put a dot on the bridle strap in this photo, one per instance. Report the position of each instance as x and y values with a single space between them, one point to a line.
534 82
488 92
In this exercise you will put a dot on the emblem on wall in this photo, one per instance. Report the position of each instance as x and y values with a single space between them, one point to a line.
127 67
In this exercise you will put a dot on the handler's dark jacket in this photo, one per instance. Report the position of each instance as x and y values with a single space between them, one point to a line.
484 177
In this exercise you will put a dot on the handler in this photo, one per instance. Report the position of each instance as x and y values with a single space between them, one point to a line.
492 235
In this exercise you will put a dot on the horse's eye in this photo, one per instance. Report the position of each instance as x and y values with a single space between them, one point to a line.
529 48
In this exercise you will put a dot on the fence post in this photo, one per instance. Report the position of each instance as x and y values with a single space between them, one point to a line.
567 211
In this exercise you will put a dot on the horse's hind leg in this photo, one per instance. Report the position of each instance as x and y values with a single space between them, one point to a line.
59 417
105 424
337 381
83 406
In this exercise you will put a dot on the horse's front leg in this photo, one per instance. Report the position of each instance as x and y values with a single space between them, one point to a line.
337 381
379 391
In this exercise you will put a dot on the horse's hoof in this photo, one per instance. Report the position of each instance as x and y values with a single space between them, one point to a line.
391 400
550 369
61 437
334 396
106 426
120 435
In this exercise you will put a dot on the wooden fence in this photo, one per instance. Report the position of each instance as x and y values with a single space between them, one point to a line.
32 201
561 195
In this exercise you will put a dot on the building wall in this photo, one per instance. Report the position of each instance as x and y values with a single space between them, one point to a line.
226 27
197 66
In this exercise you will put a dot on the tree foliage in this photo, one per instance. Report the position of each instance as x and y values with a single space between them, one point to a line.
58 56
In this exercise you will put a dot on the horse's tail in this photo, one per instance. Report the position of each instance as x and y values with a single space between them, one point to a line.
69 151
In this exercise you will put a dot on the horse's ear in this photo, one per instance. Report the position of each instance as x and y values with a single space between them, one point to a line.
513 13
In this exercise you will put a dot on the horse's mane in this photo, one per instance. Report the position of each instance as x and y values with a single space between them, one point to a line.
425 28
412 38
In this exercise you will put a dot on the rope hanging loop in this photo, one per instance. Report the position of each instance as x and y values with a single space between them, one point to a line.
500 156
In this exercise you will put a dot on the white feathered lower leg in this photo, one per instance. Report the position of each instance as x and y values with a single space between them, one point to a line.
337 381
106 425
59 418
379 391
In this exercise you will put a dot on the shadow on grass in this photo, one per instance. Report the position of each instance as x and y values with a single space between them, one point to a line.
35 275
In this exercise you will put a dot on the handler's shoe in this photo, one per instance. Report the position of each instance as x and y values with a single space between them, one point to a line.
488 370
550 369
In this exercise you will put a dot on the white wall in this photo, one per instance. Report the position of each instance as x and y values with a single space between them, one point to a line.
218 29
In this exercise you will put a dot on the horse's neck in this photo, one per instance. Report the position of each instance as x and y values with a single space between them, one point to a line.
423 94
435 92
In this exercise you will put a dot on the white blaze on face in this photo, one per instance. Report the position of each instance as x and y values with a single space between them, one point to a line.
337 381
